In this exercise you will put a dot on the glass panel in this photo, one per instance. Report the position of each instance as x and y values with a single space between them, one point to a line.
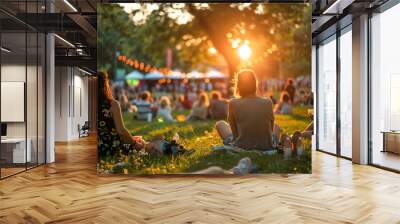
346 94
31 87
23 81
41 99
31 97
13 86
385 85
327 96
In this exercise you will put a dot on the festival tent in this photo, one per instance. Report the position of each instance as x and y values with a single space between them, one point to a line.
195 75
214 74
154 76
175 75
135 75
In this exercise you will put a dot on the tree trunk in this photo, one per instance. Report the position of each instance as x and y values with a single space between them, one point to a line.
216 29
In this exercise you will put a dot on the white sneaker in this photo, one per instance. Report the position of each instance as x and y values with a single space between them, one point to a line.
244 166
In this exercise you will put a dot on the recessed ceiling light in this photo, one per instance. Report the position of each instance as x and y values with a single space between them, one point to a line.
5 50
64 40
84 71
337 7
70 5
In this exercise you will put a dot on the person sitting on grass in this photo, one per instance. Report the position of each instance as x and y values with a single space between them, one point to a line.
113 137
250 117
200 108
290 89
218 107
165 109
284 106
144 111
185 102
251 120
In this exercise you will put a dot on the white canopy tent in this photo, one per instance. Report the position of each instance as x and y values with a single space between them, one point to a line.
195 75
175 75
214 74
135 75
154 76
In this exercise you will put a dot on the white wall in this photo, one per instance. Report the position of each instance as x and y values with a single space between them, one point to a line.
16 73
33 127
71 102
61 103
12 73
80 109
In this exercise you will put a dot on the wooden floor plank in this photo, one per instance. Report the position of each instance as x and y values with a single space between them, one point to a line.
70 191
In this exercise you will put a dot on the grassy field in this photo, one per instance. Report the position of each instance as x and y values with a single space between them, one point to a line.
201 136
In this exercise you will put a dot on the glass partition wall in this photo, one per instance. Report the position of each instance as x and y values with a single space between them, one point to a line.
385 89
334 100
346 95
326 114
335 114
22 77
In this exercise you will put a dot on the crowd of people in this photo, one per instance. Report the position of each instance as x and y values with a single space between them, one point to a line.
246 121
204 104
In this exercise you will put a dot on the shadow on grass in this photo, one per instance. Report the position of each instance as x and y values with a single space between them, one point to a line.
263 163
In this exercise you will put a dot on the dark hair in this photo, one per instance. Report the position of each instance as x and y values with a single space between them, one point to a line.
104 84
285 97
145 95
246 83
216 95
203 99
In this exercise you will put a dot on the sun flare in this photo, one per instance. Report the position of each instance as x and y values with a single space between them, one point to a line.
244 52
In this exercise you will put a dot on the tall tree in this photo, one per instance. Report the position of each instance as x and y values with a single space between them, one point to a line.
276 33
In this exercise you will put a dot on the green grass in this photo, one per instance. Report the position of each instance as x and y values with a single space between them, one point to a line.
201 136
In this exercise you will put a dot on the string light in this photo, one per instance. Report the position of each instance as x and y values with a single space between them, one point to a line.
141 66
146 68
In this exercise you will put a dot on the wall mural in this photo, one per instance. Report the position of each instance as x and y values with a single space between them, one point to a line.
187 89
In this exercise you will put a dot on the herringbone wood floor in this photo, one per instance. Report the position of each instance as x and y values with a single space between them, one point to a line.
69 191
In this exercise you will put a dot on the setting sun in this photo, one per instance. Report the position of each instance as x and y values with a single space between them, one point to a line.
212 50
244 52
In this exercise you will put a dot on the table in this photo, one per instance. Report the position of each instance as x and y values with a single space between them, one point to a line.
391 141
13 150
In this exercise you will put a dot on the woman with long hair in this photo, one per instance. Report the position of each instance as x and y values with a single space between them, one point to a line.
165 109
218 108
250 117
200 108
284 106
113 137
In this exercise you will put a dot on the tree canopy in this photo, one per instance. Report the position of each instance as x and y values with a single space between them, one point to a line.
277 34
